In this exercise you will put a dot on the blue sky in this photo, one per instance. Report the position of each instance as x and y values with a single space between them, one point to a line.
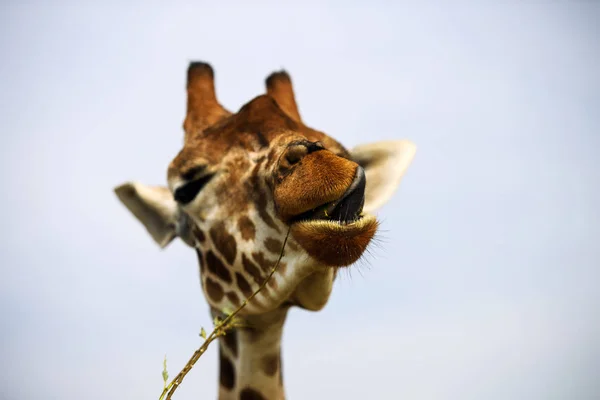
483 285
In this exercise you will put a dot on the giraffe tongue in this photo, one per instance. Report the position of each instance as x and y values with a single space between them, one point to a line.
349 208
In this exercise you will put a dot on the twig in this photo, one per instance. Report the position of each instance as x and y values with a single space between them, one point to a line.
219 330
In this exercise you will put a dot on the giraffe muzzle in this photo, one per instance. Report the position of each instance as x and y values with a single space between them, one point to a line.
346 209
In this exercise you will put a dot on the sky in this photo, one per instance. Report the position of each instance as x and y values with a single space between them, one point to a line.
483 283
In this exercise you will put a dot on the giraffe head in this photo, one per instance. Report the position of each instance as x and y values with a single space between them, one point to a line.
242 181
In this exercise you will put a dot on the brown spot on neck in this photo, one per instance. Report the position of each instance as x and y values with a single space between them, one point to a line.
243 284
273 245
213 290
234 299
224 241
230 341
226 372
247 228
251 394
252 269
270 364
217 267
264 263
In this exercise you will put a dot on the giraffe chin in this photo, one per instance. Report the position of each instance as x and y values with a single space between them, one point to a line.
333 243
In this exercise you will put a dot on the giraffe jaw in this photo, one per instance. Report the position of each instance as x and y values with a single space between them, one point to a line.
335 243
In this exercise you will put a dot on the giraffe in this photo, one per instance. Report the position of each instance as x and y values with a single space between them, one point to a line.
238 186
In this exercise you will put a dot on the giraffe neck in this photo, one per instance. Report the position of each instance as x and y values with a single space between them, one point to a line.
250 359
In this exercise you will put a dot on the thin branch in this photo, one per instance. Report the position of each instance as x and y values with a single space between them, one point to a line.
220 329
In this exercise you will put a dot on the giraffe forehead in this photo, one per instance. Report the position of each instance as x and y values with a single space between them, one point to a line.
237 156
260 125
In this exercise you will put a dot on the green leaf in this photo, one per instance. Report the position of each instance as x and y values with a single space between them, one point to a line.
165 374
202 333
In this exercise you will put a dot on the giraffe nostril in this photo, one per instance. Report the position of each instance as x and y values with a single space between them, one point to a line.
188 192
295 153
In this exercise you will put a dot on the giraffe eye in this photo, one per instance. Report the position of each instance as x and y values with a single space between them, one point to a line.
188 192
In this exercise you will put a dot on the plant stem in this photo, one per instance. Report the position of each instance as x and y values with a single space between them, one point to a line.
219 330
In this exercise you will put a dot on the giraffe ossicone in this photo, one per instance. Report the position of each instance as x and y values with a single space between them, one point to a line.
240 182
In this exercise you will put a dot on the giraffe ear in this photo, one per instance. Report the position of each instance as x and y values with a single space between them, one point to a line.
154 207
385 164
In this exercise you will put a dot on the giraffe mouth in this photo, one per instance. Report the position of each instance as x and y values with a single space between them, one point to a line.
337 233
345 210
